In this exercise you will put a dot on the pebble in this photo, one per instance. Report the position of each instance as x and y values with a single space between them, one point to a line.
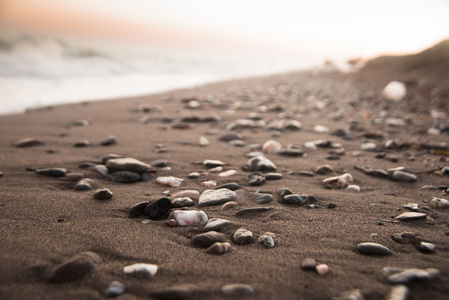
227 173
321 129
261 163
81 123
52 172
310 146
169 181
308 264
115 289
173 293
182 202
203 141
293 151
81 144
209 183
260 198
255 178
159 163
251 210
404 237
230 186
84 184
194 175
73 177
127 164
402 276
110 140
193 194
105 158
284 192
324 169
267 239
331 205
350 295
237 290
395 91
353 187
28 142
271 147
372 249
243 236
74 268
273 176
411 207
124 176
368 146
398 292
212 163
229 205
339 182
158 209
137 209
322 269
141 270
216 224
294 199
229 136
219 248
439 203
189 217
426 247
207 239
407 216
403 176
214 197
102 170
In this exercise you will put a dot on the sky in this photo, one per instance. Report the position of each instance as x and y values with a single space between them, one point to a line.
291 29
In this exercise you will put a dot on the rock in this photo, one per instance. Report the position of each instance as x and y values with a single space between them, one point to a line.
230 186
194 194
170 181
115 289
407 216
308 264
293 151
237 290
411 207
267 239
252 210
81 144
189 217
260 198
350 295
322 269
273 176
212 163
141 270
368 146
324 169
439 203
284 192
102 170
124 176
261 163
219 248
230 136
182 202
74 268
398 292
137 209
271 147
214 197
294 199
194 175
84 184
255 178
403 176
207 239
405 238
227 173
28 142
158 209
72 177
426 247
395 90
81 123
229 205
173 293
243 236
353 187
402 276
331 205
159 163
338 182
321 129
127 164
203 141
52 172
216 224
209 183
216 169
110 140
372 249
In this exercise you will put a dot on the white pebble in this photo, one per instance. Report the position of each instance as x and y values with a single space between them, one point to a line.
322 269
227 173
354 187
204 141
209 183
141 270
271 147
321 129
310 145
395 90
169 181
189 217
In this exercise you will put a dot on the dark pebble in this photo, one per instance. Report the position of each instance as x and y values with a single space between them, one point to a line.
308 264
83 185
262 198
230 186
85 165
207 239
230 136
304 173
28 142
252 210
103 194
159 163
110 140
273 176
137 209
52 172
255 178
158 209
284 192
333 157
243 236
81 144
173 293
294 199
331 205
124 176
74 268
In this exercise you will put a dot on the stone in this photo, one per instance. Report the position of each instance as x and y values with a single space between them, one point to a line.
372 249
194 175
227 173
273 176
115 289
411 207
261 163
403 176
170 181
321 129
271 147
267 239
81 144
84 184
398 292
141 270
72 177
284 192
292 151
260 198
230 136
294 199
322 269
229 205
193 194
402 276
102 170
203 141
353 187
207 239
81 123
243 236
137 209
439 203
255 178
127 164
124 176
214 197
350 295
158 209
52 172
252 210
209 183
216 224
212 163
74 268
395 91
324 169
173 293
189 217
237 290
308 264
230 186
426 247
219 248
407 216
159 163
368 146
182 202
110 140
28 142
338 182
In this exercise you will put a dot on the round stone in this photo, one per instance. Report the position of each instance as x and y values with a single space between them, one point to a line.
158 209
137 209
214 197
243 236
103 194
373 249
207 239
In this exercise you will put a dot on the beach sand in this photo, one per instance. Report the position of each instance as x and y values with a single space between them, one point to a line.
45 221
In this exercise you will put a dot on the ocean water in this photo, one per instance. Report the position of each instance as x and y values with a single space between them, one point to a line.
38 71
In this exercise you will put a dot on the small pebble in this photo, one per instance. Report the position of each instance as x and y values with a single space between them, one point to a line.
216 224
219 248
407 216
28 142
308 264
426 247
398 292
230 186
209 183
103 194
229 205
137 209
81 144
169 181
267 240
243 236
207 239
372 249
322 269
402 276
115 289
110 140
261 163
84 184
255 178
182 202
237 290
74 268
141 270
52 172
158 209
214 197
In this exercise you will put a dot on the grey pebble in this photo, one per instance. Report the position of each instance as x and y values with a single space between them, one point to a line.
115 289
137 209
84 184
237 290
103 194
308 264
110 140
243 236
273 176
255 178
81 144
407 216
124 176
252 210
159 163
426 247
230 186
52 172
261 163
214 197
28 142
127 164
74 268
216 224
372 249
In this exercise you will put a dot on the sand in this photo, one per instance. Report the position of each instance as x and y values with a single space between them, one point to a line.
44 221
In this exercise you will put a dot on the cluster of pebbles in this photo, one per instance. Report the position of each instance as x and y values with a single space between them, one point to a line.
190 208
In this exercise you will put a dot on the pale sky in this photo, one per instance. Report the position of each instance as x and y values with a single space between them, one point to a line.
319 28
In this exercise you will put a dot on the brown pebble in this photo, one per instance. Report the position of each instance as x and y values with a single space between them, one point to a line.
229 205
28 142
72 177
219 248
74 268
308 264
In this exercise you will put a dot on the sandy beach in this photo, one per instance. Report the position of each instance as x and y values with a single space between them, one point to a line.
317 119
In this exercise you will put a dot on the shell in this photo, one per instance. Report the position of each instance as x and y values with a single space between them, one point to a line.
169 181
189 217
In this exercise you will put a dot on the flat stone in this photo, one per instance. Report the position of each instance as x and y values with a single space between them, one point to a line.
255 178
294 199
243 236
237 290
127 164
408 216
158 209
159 163
372 249
252 210
273 176
284 192
124 176
261 163
260 198
230 186
81 144
230 136
193 194
324 169
398 292
103 194
52 172
216 224
105 158
141 270
84 184
402 276
115 289
28 142
207 239
137 209
308 264
110 140
74 268
403 176
411 207
212 163
426 247
214 197
183 202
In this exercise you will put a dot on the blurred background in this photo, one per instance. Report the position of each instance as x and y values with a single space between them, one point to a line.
54 51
